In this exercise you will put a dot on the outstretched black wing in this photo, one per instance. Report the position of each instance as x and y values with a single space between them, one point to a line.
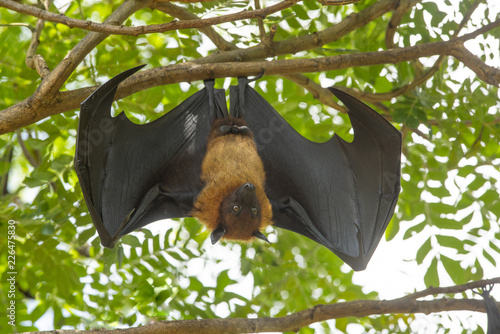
341 195
132 175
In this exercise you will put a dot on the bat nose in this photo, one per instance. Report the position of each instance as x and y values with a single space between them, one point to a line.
246 194
249 186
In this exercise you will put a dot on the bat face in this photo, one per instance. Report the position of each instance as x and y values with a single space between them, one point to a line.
240 213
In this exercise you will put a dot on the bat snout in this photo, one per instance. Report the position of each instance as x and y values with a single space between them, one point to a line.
246 194
249 186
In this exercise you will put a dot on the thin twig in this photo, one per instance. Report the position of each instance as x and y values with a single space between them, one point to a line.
182 14
51 84
321 94
391 29
37 63
337 2
18 24
260 22
397 15
307 42
147 29
26 152
475 143
4 179
452 289
35 41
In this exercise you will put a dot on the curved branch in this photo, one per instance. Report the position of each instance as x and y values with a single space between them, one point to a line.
321 94
486 73
41 104
51 84
307 42
183 14
389 39
33 60
21 114
147 29
403 7
293 322
453 289
32 160
379 97
36 106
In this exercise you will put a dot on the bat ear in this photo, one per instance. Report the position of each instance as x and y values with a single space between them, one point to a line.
217 234
258 234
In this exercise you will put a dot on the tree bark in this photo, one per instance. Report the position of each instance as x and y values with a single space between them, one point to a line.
295 321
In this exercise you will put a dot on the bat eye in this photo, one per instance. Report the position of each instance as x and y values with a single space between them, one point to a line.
255 211
236 208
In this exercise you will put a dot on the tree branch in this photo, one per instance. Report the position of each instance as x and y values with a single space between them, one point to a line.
295 321
35 107
182 14
48 101
147 29
18 116
307 42
321 94
41 104
402 8
63 70
4 179
484 72
32 160
33 60
260 22
453 289
389 39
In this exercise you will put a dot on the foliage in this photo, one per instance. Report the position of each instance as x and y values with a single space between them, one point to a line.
450 183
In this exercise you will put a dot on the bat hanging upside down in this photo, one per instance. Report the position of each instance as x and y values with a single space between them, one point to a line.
238 171
233 203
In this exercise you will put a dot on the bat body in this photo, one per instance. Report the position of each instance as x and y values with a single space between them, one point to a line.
233 202
238 171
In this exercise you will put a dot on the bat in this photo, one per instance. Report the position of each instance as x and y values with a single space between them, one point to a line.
238 171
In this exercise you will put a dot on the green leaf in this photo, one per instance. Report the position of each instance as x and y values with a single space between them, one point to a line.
130 240
431 277
439 191
47 229
423 251
453 269
451 242
489 258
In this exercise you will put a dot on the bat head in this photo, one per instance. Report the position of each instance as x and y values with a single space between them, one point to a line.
240 215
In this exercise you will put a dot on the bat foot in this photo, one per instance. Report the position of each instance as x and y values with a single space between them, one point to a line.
234 129
245 80
230 126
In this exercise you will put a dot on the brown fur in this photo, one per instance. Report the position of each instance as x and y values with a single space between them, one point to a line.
231 161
